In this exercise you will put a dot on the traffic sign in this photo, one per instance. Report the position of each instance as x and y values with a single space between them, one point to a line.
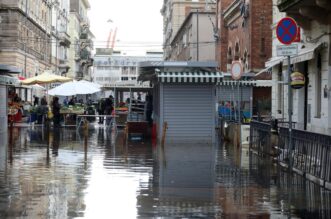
236 70
287 50
287 30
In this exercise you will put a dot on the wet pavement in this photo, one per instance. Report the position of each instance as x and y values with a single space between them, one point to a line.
64 174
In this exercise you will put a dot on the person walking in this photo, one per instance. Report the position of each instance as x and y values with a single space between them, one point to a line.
56 112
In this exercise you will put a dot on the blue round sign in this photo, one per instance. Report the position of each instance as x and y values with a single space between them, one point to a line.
286 30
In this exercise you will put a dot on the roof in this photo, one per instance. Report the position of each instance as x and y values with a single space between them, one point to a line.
177 71
9 69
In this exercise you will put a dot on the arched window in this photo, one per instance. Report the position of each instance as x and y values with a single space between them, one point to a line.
236 52
245 60
229 55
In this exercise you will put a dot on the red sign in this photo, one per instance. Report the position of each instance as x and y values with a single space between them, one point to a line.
287 30
298 38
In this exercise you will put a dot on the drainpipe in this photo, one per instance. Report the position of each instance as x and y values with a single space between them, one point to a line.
25 50
197 34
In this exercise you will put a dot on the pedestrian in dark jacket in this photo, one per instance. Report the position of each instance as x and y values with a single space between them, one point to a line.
108 108
101 110
56 111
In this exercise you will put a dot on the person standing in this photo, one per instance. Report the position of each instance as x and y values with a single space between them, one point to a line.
43 101
56 112
66 101
35 100
108 108
101 110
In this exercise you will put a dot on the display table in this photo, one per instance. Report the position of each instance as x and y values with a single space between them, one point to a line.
137 130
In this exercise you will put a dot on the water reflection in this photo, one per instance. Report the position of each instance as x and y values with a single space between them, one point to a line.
94 173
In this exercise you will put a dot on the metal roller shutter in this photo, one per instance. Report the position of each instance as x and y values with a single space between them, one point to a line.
189 112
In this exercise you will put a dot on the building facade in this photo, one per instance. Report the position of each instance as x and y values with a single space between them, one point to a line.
111 68
194 40
80 56
174 13
60 37
244 33
25 39
312 103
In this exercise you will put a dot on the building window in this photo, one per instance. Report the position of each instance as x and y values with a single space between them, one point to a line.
318 87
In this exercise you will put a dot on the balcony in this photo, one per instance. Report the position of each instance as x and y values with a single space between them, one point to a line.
64 39
303 11
63 66
79 75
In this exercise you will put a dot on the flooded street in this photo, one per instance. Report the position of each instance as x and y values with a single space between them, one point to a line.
64 174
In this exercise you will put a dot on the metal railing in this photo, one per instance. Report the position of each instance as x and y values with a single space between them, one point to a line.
260 138
311 153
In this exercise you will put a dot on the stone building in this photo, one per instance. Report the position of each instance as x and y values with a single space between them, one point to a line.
80 57
312 103
25 35
60 37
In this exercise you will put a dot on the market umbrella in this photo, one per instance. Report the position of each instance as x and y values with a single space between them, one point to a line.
73 88
45 78
89 83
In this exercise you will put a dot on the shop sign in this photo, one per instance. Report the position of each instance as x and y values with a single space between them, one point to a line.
297 80
8 80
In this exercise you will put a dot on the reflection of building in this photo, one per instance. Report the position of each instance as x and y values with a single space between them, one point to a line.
174 13
312 103
80 59
25 35
114 68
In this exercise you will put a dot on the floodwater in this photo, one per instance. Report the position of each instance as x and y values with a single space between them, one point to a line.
64 174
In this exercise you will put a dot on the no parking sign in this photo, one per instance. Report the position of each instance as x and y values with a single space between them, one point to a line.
287 30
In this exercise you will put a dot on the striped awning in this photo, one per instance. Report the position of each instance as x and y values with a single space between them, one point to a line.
235 83
190 77
255 83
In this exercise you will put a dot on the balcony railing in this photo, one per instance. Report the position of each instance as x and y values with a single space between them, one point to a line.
284 5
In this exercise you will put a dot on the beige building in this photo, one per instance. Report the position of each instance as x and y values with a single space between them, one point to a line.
194 40
60 38
311 103
80 57
174 13
25 35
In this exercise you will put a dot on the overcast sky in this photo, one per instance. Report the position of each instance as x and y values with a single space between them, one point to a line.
136 21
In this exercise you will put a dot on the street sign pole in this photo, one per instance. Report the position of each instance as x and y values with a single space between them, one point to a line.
287 32
290 109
